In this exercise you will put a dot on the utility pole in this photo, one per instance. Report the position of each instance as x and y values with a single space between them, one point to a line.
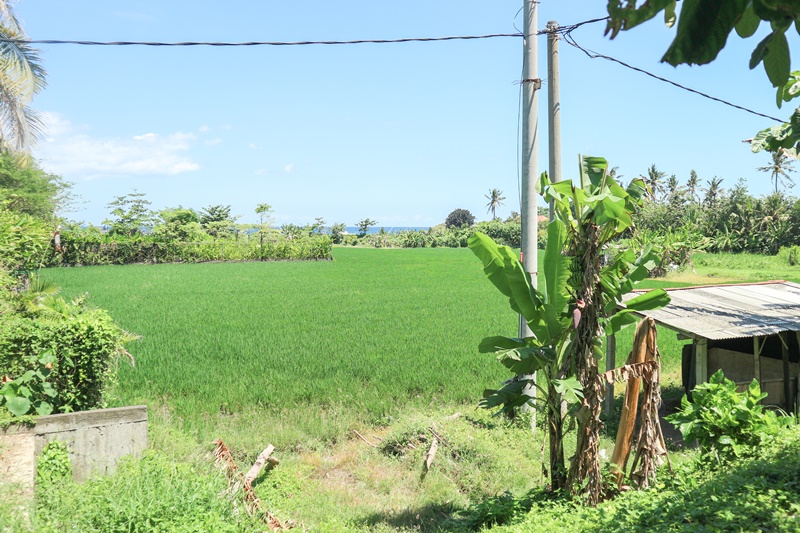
530 146
554 107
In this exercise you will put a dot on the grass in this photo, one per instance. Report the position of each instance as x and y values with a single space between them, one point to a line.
301 354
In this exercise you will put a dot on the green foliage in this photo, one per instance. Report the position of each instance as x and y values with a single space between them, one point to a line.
31 393
337 232
363 226
91 248
727 424
86 345
53 465
497 511
23 241
27 189
217 220
130 214
178 224
154 493
459 218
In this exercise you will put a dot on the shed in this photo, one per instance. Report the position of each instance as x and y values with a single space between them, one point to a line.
748 330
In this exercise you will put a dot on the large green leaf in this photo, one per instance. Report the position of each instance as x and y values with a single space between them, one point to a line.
777 63
629 16
703 30
556 266
525 361
748 23
18 405
653 299
570 389
510 396
592 170
496 344
507 274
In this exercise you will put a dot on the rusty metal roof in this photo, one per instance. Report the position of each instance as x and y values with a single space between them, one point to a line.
731 311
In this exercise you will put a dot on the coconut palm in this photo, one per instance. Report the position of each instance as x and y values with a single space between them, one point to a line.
780 168
495 198
713 191
653 181
21 77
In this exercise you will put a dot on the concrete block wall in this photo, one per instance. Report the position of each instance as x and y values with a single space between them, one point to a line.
96 440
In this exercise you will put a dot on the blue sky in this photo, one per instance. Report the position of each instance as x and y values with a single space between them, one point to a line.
400 133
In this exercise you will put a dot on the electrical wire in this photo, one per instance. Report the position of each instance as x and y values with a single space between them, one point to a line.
594 55
562 29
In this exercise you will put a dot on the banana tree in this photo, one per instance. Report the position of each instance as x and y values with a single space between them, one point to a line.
571 317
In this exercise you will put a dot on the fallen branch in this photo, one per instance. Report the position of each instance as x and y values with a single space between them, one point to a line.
362 437
224 460
431 454
255 470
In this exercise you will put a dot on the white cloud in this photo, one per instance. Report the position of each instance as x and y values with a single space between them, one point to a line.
261 172
72 152
289 168
253 146
211 142
205 128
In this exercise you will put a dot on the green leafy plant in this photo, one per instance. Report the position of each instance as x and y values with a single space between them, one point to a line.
727 424
53 465
570 318
31 392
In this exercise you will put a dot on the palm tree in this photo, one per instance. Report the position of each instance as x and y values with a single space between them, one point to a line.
21 77
653 182
495 198
713 191
780 168
693 185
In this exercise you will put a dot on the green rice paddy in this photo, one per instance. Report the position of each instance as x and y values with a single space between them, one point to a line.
306 350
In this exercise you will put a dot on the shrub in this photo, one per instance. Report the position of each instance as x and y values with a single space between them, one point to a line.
459 218
23 241
86 344
727 424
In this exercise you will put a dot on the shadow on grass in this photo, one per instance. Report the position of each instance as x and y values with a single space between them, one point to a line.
430 518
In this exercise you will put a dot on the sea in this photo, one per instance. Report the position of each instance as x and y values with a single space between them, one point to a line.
395 229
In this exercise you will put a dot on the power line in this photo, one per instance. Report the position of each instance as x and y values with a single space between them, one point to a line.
562 29
594 55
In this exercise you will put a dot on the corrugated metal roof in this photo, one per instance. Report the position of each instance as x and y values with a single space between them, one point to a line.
731 311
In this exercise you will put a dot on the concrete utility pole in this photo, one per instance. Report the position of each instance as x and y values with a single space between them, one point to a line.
554 107
530 146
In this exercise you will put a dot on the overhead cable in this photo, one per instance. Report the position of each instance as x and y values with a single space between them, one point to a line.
299 43
594 55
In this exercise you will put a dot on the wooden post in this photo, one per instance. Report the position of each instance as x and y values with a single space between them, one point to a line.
611 357
787 379
701 361
757 360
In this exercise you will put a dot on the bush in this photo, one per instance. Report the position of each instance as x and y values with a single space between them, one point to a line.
89 248
459 218
727 424
86 344
23 241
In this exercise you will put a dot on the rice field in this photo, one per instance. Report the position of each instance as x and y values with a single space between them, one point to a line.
306 350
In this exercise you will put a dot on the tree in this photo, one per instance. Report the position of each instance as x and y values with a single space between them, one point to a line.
26 188
21 77
216 219
179 224
495 198
572 316
713 192
337 232
264 211
780 168
653 182
364 225
131 214
459 218
692 186
703 30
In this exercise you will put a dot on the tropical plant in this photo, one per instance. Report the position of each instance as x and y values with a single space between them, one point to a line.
779 169
21 77
569 320
264 211
653 182
30 190
713 192
337 232
131 214
216 220
495 198
726 423
692 186
363 226
30 393
459 218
